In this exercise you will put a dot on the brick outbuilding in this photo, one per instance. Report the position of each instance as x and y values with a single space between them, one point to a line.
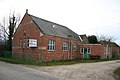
114 49
92 51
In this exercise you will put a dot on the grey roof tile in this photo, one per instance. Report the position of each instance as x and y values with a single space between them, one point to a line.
53 29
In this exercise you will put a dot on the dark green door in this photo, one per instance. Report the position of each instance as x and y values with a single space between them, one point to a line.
85 53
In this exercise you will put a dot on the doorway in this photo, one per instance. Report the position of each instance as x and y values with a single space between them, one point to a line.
85 52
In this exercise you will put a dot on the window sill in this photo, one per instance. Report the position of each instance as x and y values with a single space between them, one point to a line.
74 50
83 53
51 50
64 50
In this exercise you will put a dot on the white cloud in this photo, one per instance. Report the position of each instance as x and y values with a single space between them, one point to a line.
79 15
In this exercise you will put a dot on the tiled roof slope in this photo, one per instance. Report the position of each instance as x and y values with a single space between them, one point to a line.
111 44
53 29
84 39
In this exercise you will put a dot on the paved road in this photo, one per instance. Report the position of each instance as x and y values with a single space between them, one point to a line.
18 72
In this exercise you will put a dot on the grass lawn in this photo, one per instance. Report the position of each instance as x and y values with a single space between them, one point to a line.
117 73
48 63
51 63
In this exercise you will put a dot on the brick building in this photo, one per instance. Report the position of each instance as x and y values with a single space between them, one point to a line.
113 48
40 38
92 51
104 49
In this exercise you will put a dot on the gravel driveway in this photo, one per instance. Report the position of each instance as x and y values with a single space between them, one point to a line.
84 71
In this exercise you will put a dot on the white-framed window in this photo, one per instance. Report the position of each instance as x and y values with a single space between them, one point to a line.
51 45
106 50
65 46
74 47
85 50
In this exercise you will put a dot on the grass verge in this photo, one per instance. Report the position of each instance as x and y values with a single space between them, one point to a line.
48 63
52 63
117 73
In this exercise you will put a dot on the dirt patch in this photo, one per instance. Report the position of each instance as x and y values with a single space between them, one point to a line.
84 71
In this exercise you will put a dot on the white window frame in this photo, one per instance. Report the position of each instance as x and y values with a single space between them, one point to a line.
106 50
74 47
51 45
65 46
84 49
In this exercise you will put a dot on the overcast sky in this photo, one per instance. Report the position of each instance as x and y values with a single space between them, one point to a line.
98 17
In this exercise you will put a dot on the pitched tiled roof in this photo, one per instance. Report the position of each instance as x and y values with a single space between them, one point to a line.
84 39
111 44
53 29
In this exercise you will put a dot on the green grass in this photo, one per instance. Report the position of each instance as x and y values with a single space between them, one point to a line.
111 59
16 61
117 73
51 63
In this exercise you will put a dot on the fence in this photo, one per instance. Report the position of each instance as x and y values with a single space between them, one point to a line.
7 54
29 56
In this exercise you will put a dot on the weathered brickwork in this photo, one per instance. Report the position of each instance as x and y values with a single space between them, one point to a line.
31 31
95 50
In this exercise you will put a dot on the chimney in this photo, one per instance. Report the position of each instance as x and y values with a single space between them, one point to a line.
27 11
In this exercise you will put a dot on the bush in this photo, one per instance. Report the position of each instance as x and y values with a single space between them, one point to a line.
117 73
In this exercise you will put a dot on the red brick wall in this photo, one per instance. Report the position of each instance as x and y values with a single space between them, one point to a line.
58 53
95 49
115 51
31 30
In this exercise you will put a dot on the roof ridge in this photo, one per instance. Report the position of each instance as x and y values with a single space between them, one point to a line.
46 20
53 23
48 28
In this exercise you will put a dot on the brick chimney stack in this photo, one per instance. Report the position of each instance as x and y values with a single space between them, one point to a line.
27 11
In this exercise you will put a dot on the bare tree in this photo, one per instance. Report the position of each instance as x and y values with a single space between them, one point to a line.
4 25
106 38
8 28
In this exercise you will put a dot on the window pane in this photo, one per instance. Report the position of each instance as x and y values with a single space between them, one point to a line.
85 50
49 42
82 50
88 50
64 46
51 45
74 47
51 48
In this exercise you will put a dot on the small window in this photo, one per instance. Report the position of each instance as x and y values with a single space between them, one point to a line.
51 45
88 50
74 47
82 50
85 50
65 46
106 50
